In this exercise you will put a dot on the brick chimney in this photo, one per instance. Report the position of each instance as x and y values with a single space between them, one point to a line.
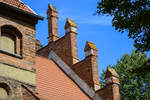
87 69
91 54
112 84
71 34
52 16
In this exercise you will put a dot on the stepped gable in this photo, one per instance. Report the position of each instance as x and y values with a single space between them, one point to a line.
18 4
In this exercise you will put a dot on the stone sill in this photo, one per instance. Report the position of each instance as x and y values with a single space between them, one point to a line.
11 54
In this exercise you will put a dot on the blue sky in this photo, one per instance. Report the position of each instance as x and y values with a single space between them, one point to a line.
110 43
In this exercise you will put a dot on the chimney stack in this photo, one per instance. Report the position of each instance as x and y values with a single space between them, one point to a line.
91 54
52 16
71 34
112 83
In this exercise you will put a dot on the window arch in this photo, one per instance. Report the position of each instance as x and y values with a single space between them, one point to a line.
11 40
5 91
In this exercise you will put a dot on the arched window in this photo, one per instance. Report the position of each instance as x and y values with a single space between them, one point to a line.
10 40
5 91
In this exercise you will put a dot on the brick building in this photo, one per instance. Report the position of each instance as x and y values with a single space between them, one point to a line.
29 71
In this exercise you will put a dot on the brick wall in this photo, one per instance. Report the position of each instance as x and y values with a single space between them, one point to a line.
112 86
23 59
112 92
87 70
26 60
83 69
15 89
65 48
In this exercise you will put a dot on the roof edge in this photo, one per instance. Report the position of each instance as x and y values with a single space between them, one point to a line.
20 10
29 90
73 76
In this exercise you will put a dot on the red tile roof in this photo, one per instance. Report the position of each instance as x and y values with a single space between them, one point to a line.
54 84
18 4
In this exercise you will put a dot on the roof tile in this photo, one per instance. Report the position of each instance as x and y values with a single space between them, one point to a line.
54 84
18 4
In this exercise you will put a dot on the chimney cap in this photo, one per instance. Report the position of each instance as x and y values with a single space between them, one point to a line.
89 45
111 72
51 7
70 22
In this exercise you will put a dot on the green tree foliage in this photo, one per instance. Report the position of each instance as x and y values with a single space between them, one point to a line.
132 87
132 16
143 69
